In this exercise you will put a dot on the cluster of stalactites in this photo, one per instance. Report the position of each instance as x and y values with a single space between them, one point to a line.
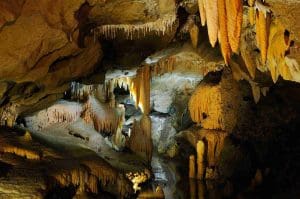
80 91
140 140
224 20
164 66
273 42
139 87
79 177
26 153
62 116
104 118
111 84
159 27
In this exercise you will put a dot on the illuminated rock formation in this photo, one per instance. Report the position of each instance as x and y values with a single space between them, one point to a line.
138 178
80 92
200 148
194 34
213 139
212 21
159 27
223 31
104 118
209 104
192 169
140 138
60 112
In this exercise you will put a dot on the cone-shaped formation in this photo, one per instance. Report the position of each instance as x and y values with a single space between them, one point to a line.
140 89
247 56
262 33
140 140
234 11
224 22
276 52
161 26
223 31
212 21
192 169
201 4
200 148
194 34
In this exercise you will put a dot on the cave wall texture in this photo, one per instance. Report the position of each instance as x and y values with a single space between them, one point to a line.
47 44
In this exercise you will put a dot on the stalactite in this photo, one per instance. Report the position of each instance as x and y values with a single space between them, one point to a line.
140 140
159 27
247 56
201 5
140 89
262 33
79 177
223 33
200 159
238 74
276 51
194 34
251 15
294 69
251 11
164 66
234 13
192 170
212 20
80 91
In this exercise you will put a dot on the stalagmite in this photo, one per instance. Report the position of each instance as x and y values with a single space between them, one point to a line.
262 33
192 173
140 140
193 188
194 34
212 20
200 159
201 5
234 12
223 31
